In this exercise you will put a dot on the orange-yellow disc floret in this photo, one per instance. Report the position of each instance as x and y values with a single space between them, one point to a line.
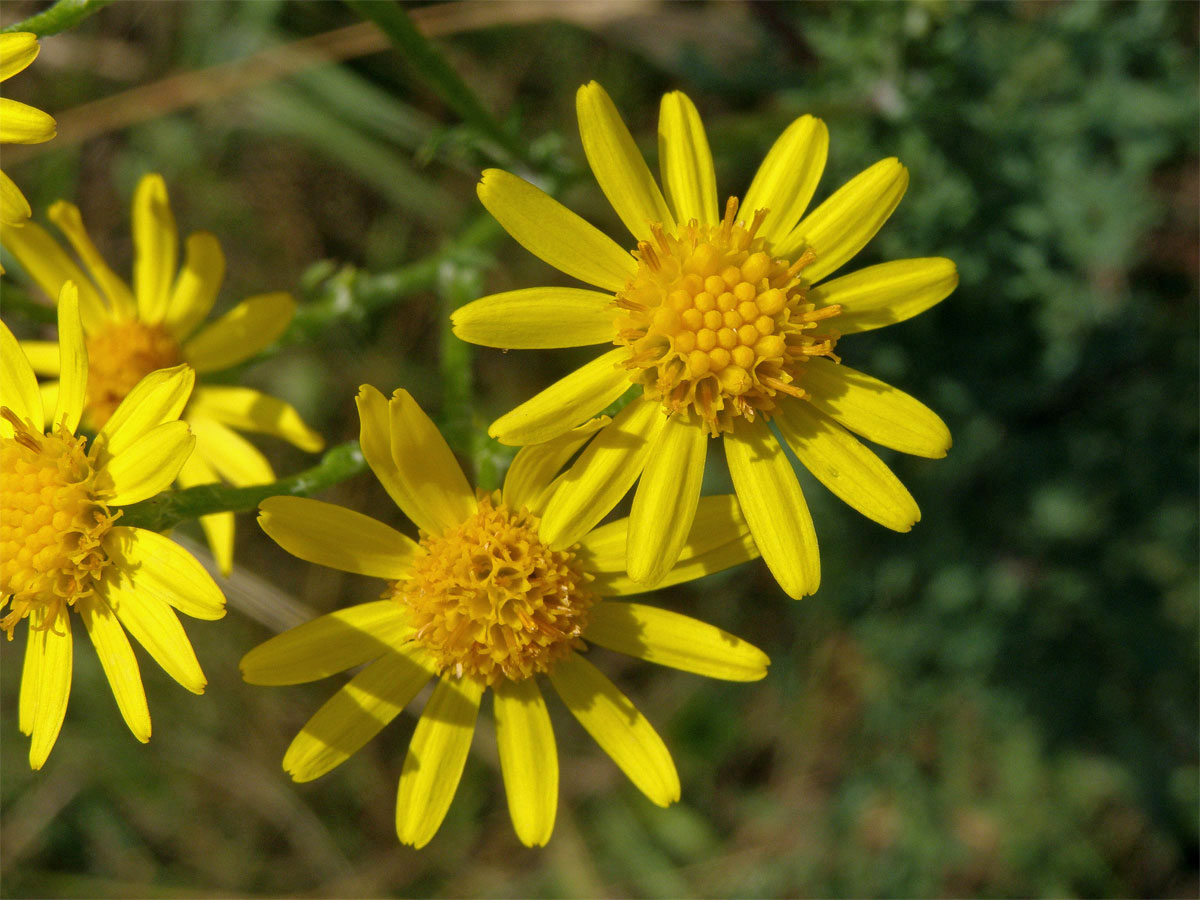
119 356
489 600
715 323
52 525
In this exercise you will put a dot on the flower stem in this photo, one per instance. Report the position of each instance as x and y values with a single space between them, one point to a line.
62 15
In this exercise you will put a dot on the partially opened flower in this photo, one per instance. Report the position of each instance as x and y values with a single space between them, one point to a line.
61 548
158 324
724 320
20 123
485 601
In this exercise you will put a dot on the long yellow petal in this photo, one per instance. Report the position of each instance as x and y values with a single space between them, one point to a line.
119 664
70 222
17 50
528 759
843 224
42 356
888 293
553 233
156 248
21 123
14 208
53 663
569 401
248 328
719 538
602 475
156 399
618 165
617 726
230 455
149 465
846 467
537 318
665 502
435 760
31 670
18 385
218 527
166 571
340 538
876 410
356 713
774 506
328 644
249 410
685 161
670 639
788 176
195 290
153 624
49 266
73 360
437 495
531 474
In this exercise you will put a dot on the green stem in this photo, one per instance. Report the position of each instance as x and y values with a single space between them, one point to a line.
457 285
169 509
62 15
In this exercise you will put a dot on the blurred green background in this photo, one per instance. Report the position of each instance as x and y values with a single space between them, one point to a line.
1001 703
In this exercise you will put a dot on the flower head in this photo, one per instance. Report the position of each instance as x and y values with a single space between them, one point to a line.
156 325
20 123
62 547
722 316
485 601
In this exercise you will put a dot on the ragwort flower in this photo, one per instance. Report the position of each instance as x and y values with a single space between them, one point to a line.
61 547
483 600
723 319
20 123
156 325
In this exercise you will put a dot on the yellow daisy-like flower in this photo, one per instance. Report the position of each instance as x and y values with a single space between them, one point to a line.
484 600
725 322
61 546
157 324
20 123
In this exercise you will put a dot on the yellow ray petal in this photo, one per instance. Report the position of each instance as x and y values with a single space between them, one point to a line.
617 726
73 360
788 176
119 664
333 536
196 288
156 399
553 233
49 266
156 248
528 759
42 356
21 123
569 401
665 502
843 224
53 664
154 625
356 713
772 503
537 318
719 538
218 527
530 476
249 410
14 208
229 454
685 161
18 385
436 491
248 328
328 644
846 467
435 759
888 293
670 639
17 50
602 475
31 670
70 222
166 571
618 164
876 410
147 466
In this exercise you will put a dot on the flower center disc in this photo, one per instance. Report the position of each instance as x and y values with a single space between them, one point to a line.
51 524
118 358
489 600
714 323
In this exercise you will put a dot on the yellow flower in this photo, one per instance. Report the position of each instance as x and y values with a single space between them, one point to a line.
133 332
60 546
721 320
19 122
485 601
